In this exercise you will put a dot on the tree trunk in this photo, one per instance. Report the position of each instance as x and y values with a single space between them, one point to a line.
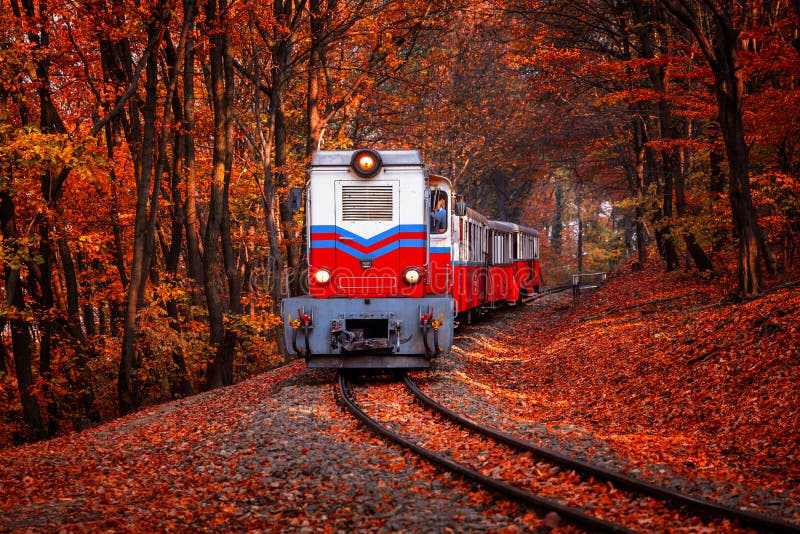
21 341
218 371
640 185
654 175
670 251
648 30
316 53
641 237
729 88
47 325
127 388
578 198
180 385
234 276
194 264
558 219
4 356
698 255
282 57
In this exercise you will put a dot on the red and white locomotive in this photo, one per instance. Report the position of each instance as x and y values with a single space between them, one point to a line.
395 260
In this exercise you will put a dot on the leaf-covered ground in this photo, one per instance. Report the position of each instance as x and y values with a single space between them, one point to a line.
655 373
684 386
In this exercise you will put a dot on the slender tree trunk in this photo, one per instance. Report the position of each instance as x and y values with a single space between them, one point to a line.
578 199
4 355
194 263
47 326
21 341
127 387
557 227
281 58
580 242
180 386
729 89
698 255
641 236
262 143
645 16
217 372
234 276
655 175
670 251
230 256
315 122
639 136
672 171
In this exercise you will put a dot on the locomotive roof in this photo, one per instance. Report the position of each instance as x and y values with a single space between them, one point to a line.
341 158
511 227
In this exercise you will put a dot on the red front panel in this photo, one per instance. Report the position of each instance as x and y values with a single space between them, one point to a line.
366 267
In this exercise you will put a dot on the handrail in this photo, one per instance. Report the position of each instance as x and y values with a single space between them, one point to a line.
576 282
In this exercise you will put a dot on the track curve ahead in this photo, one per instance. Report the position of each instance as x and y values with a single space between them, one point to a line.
701 506
573 515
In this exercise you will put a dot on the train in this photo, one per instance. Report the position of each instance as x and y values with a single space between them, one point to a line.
396 261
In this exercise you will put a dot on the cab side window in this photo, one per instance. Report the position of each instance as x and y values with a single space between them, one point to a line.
438 218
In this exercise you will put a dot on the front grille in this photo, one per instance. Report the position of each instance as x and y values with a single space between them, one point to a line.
374 203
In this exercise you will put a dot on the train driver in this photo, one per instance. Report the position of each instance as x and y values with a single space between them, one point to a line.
439 216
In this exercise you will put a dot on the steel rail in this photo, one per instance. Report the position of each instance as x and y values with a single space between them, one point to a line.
699 505
546 292
543 503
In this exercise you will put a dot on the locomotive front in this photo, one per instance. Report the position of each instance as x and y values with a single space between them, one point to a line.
370 302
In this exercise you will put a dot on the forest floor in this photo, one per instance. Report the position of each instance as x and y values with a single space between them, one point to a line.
656 374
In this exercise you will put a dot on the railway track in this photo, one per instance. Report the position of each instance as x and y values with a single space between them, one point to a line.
535 476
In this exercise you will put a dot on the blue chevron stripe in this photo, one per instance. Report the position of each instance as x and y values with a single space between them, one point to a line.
365 241
402 243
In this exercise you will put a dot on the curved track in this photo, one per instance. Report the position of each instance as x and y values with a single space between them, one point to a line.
573 515
542 503
698 505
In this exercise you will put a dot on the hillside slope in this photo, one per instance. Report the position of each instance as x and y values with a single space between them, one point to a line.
689 389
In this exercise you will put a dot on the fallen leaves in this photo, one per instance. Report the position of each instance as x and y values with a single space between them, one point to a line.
621 388
667 372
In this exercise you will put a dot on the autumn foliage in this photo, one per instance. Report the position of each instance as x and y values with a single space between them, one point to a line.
147 148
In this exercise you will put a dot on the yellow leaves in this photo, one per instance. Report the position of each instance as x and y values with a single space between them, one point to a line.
31 150
16 253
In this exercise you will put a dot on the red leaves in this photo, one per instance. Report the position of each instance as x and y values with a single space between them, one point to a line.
163 468
615 372
666 372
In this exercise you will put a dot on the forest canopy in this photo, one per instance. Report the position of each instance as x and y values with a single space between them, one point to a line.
147 150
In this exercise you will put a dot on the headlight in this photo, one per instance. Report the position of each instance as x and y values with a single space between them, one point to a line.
322 276
366 163
412 275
